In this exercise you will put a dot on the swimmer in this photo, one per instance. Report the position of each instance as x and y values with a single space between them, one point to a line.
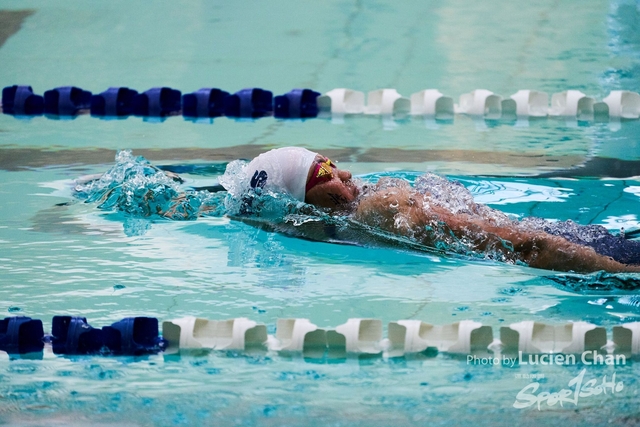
434 213
421 215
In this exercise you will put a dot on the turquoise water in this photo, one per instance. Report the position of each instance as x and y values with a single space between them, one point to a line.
61 257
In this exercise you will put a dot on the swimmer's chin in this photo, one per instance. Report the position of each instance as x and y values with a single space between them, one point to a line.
351 205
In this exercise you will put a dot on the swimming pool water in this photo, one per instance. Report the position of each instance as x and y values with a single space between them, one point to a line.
58 256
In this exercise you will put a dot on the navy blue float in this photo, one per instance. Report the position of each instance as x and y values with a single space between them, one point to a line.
205 102
161 102
66 101
21 334
115 101
135 336
249 103
20 100
297 104
132 336
157 102
73 335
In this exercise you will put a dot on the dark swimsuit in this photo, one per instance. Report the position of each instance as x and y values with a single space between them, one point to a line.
597 237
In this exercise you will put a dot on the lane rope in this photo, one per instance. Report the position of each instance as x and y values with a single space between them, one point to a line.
254 103
135 336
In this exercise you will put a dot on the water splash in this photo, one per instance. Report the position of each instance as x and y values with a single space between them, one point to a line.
451 195
136 187
233 179
437 194
457 199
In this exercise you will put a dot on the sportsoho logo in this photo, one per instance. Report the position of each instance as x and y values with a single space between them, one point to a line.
577 389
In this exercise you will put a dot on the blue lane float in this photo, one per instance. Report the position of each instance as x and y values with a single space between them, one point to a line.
157 102
133 336
206 102
72 335
297 104
21 334
66 101
114 102
21 101
249 103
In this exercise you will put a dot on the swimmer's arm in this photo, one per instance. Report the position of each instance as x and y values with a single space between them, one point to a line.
538 249
542 250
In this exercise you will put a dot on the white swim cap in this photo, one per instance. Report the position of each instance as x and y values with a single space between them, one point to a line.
283 169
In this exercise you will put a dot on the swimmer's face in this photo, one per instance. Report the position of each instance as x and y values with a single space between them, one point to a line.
334 189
